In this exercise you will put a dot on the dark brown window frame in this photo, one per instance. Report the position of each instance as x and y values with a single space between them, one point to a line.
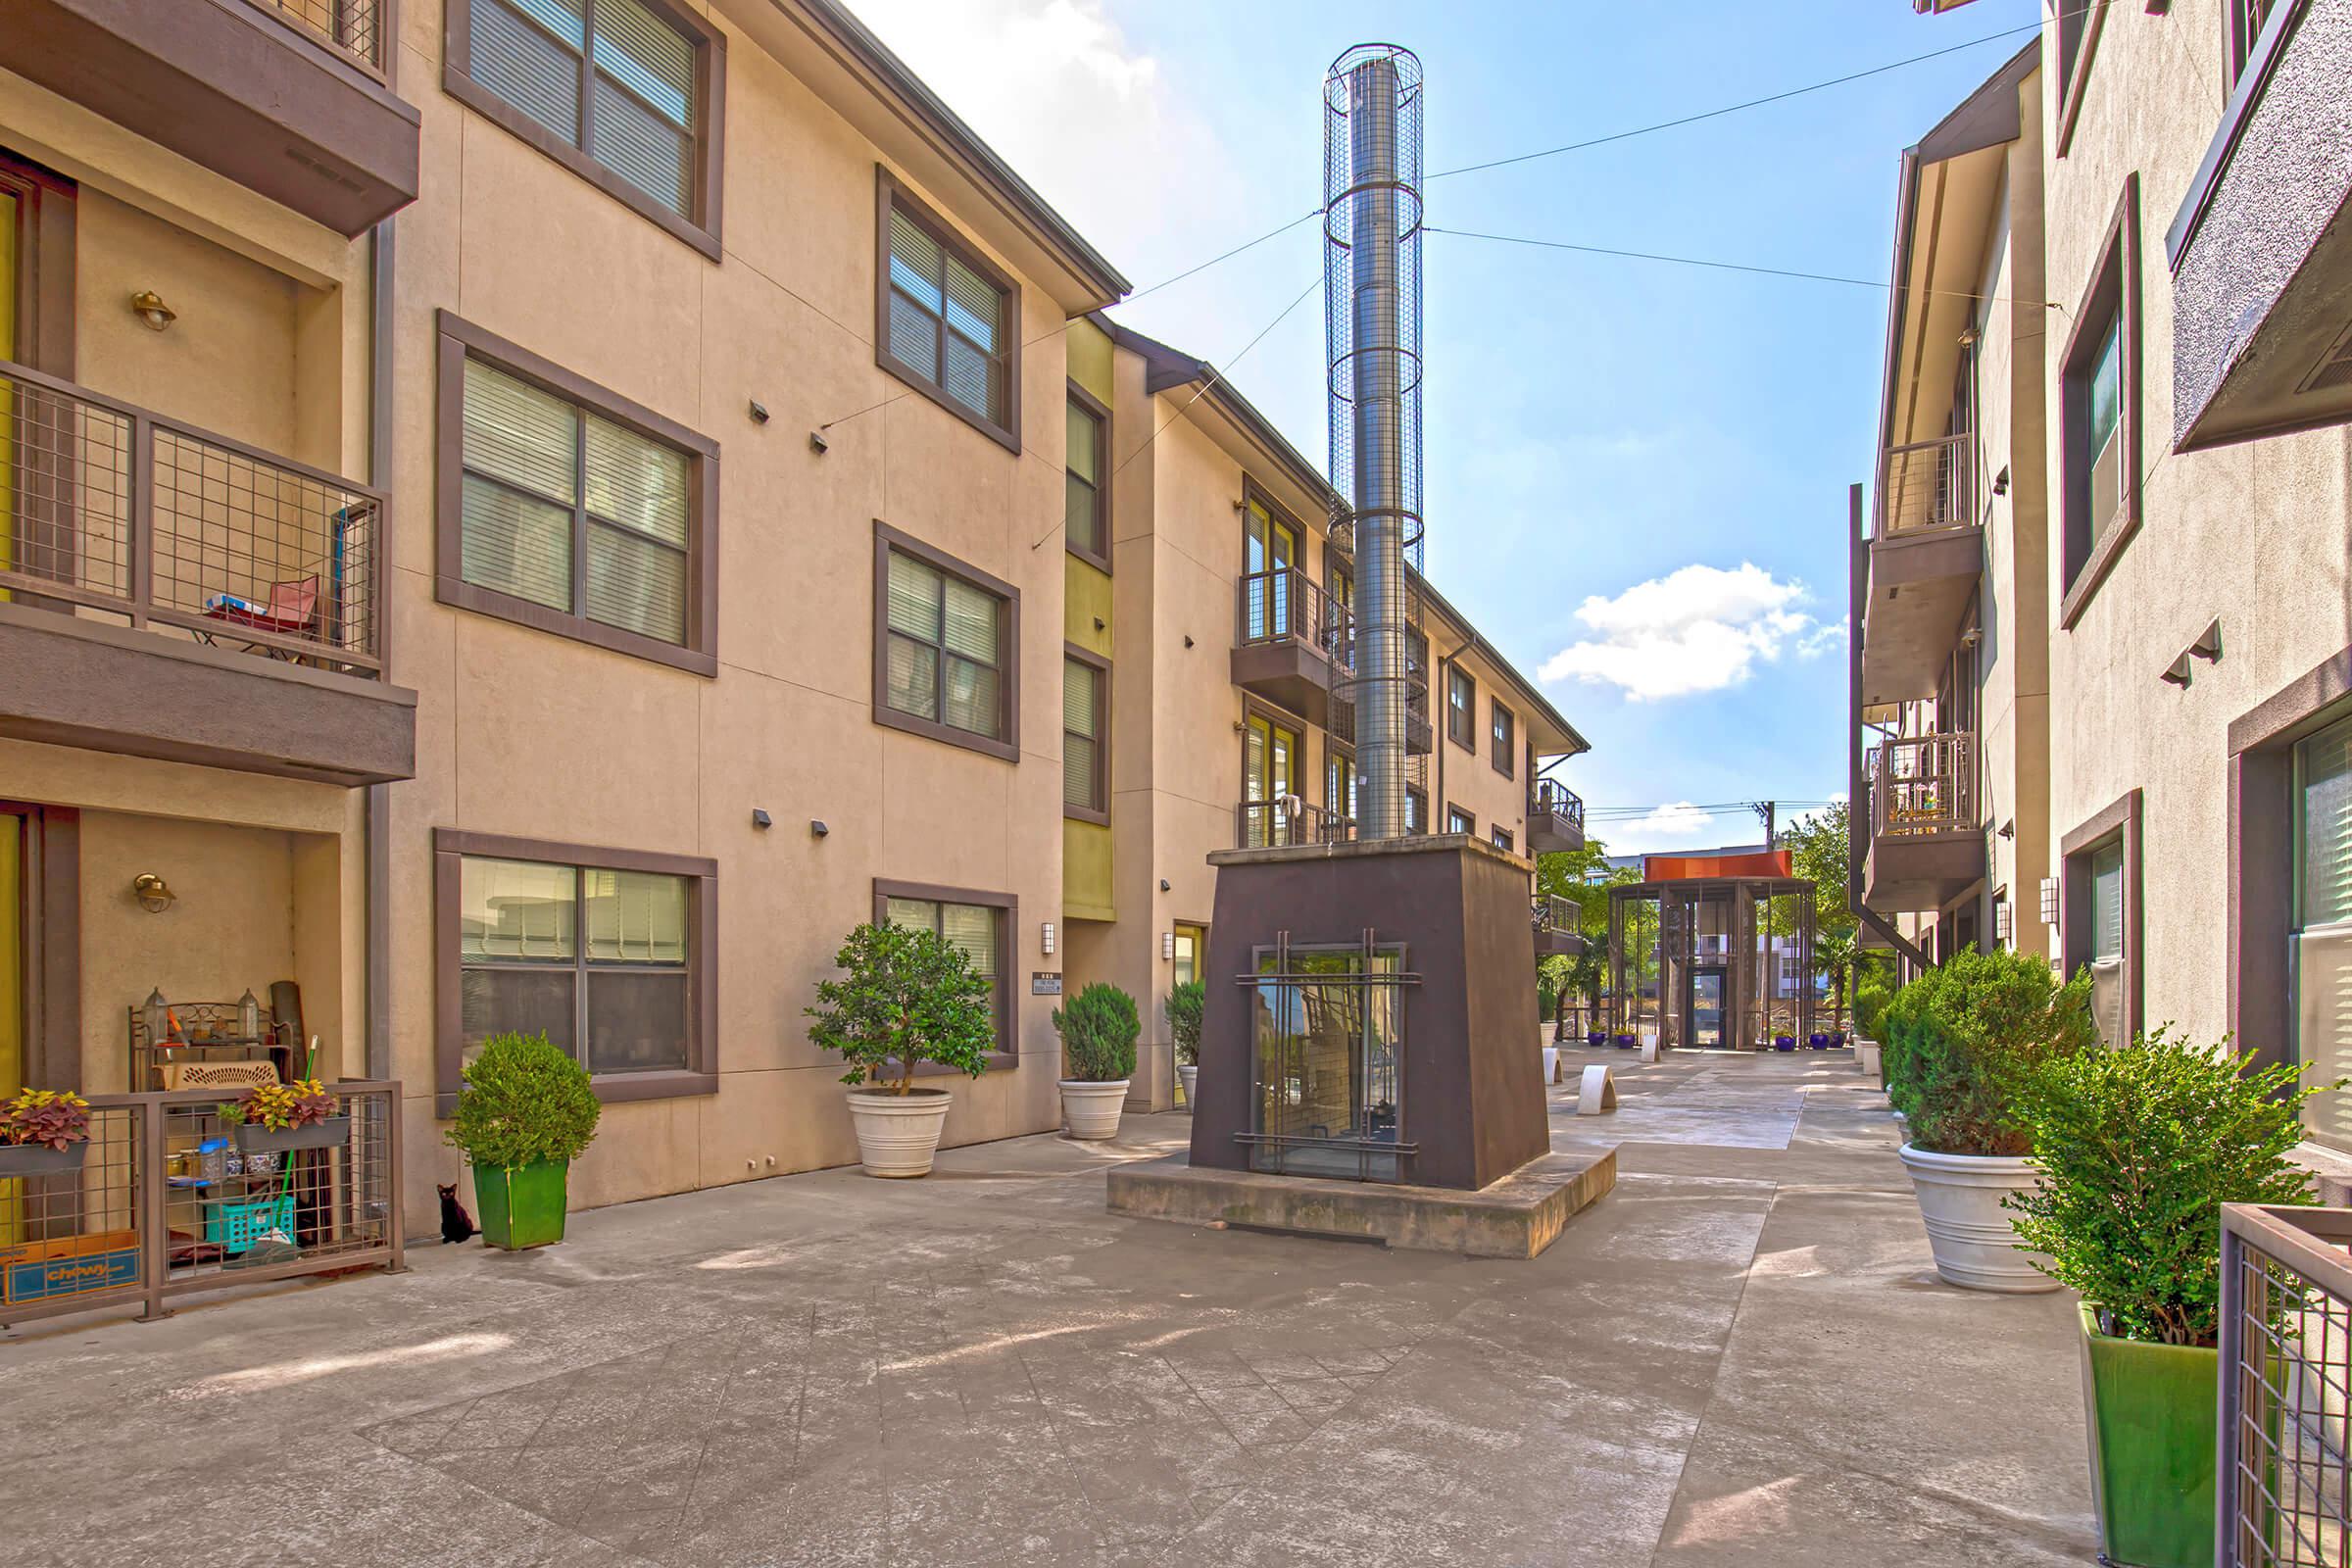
1503 749
1095 407
458 339
2112 294
2121 820
1468 742
1503 838
49 923
47 215
702 230
2238 41
1469 820
452 846
888 192
1099 816
1416 798
2078 71
1008 1005
1334 750
1008 691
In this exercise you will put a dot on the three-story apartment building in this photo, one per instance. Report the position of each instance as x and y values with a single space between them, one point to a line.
539 514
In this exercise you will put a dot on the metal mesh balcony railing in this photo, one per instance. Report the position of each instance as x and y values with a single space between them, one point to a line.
354 26
1928 484
1924 784
2283 1468
111 506
1285 605
1556 800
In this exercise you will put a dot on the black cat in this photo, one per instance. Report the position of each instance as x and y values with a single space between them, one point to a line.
455 1224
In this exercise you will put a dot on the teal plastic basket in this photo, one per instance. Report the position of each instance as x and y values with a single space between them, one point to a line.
237 1226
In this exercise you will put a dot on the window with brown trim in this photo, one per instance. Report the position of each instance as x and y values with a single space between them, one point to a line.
1416 809
946 320
1085 736
2243 28
1458 820
978 924
2099 410
1461 708
947 641
1503 840
1085 480
609 952
2100 914
2079 25
1505 735
572 510
629 94
1339 783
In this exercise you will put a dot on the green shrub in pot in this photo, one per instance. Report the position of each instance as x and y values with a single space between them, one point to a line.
526 1113
2137 1149
1098 1030
1187 1006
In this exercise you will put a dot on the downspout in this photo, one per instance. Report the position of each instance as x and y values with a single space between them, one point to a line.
1858 822
378 830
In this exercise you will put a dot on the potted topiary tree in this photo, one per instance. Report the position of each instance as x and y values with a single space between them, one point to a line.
1187 1005
2137 1150
1965 1048
903 996
526 1113
1098 1032
43 1131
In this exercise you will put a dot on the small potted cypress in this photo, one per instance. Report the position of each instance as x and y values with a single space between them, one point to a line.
1098 1032
1186 1007
42 1131
903 996
2138 1149
526 1113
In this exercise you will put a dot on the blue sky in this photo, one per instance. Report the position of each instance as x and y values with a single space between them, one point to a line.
1636 472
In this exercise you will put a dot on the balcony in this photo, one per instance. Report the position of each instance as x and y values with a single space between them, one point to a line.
171 593
1289 641
289 98
1287 822
1926 555
1555 818
1559 924
1927 834
2261 249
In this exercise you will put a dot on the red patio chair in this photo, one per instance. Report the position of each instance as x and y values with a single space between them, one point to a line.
292 610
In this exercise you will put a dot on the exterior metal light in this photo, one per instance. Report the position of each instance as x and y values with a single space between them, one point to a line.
2049 901
249 1016
818 828
2208 645
761 819
758 411
2176 674
150 308
1044 939
154 894
157 1013
1167 945
816 441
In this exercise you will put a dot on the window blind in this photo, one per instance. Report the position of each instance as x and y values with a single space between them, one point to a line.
644 117
528 53
635 917
1082 482
2107 902
2324 884
944 320
514 909
637 538
1080 738
944 640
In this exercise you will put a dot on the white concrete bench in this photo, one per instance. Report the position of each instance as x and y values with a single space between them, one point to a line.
1597 1090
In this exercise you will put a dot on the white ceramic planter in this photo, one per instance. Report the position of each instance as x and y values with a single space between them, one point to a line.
898 1134
1551 1065
1968 1230
1866 1057
1091 1110
1185 1076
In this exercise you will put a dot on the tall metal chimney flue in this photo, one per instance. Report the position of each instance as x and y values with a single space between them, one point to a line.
1372 330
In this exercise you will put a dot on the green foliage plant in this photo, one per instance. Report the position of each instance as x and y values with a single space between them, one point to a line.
1186 1007
280 1108
903 996
1098 1030
525 1103
1870 1003
2137 1149
1970 1035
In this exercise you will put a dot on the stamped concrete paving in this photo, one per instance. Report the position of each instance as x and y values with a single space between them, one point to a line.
1741 1356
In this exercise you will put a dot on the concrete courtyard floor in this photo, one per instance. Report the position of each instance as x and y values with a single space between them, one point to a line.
1741 1356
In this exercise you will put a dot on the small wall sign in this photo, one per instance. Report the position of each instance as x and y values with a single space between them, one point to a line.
1042 984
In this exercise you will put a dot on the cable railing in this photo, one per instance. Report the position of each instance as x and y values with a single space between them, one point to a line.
1922 784
1927 485
118 509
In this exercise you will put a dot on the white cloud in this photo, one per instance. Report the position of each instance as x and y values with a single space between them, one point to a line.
1677 820
1696 629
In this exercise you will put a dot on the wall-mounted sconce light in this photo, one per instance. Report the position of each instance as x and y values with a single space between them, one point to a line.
1188 640
818 828
2008 829
155 896
1969 337
156 1012
2000 481
816 442
1167 945
2208 645
1971 637
761 819
2049 901
149 307
249 1016
1044 939
1100 623
1163 884
758 411
2176 674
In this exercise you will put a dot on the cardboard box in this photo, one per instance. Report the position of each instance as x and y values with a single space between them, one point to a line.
35 1271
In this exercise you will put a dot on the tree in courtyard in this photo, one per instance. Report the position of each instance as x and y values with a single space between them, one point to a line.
1584 876
1819 847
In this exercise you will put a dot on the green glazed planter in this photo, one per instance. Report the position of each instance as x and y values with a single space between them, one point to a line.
2153 1423
522 1205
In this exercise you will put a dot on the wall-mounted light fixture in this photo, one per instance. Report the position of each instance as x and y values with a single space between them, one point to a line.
761 819
1167 943
2049 901
154 894
2177 673
149 307
2009 828
1044 939
1163 884
817 442
2208 645
758 411
2000 481
818 828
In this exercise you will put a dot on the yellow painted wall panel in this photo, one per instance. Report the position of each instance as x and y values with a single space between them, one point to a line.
1086 860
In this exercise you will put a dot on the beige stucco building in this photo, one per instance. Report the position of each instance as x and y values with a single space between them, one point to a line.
2179 461
539 527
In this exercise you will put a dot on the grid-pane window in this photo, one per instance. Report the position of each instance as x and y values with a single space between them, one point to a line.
542 477
1504 734
614 78
2322 966
1083 727
597 959
1083 478
975 930
945 653
946 320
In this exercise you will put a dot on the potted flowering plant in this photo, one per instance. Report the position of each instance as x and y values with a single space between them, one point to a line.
301 1114
43 1130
